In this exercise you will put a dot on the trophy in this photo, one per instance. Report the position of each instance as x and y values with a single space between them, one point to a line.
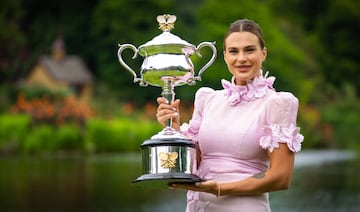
168 156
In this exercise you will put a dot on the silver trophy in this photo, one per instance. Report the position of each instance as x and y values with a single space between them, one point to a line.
168 156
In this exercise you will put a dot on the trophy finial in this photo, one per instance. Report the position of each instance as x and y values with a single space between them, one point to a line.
166 22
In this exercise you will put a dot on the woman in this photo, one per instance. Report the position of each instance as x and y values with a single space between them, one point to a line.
246 133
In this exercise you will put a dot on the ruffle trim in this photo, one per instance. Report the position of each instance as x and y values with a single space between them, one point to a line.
190 132
275 134
254 89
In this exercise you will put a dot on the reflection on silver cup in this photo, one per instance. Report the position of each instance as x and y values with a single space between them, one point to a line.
167 64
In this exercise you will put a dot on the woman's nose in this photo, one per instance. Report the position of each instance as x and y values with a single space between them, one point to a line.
241 57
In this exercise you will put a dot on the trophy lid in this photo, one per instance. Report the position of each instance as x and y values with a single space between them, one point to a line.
166 42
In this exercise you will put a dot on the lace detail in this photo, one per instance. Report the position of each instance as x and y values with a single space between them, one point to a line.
254 89
274 134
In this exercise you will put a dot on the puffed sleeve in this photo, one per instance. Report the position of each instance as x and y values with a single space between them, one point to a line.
191 129
280 126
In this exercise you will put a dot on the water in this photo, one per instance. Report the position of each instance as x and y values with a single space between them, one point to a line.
323 181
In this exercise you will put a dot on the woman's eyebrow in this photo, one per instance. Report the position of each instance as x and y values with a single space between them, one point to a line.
250 46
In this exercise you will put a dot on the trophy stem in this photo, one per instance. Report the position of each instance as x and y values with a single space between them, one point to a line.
169 94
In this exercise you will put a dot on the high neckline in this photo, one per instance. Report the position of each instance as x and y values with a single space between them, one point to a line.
254 89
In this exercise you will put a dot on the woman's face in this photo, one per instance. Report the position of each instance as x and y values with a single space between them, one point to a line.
243 56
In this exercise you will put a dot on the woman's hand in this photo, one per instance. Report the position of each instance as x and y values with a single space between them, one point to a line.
209 186
167 111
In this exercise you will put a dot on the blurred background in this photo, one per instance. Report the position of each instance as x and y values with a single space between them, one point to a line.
72 120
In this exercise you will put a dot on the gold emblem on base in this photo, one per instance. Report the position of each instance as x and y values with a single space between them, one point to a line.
168 159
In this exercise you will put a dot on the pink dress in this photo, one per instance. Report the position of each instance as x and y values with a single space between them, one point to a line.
234 127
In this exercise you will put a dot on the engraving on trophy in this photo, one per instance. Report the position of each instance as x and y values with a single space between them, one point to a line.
168 159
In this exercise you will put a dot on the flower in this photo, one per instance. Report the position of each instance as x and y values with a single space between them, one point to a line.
254 89
293 138
191 130
274 134
269 139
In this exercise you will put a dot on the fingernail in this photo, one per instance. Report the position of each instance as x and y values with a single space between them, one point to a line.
197 184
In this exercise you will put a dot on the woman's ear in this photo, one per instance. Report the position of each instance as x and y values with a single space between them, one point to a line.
224 55
264 53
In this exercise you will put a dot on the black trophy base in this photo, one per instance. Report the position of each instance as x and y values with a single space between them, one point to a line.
165 179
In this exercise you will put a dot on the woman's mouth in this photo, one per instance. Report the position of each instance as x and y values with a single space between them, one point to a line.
243 68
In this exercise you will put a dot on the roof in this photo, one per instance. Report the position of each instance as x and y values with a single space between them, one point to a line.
70 69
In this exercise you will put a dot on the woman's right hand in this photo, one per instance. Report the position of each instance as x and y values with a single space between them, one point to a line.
167 111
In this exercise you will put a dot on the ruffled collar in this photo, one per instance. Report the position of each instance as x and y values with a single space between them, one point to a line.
254 89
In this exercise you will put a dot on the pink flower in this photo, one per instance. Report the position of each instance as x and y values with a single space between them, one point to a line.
274 134
293 138
269 139
191 130
254 89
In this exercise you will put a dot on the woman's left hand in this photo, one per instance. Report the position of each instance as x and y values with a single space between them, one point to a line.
209 186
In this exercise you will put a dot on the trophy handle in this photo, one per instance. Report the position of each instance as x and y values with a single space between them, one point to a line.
212 59
122 62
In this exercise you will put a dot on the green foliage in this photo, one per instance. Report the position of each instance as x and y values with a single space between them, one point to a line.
120 22
13 129
312 48
338 32
99 135
70 137
343 116
5 101
12 39
40 139
118 135
286 59
32 92
103 135
51 139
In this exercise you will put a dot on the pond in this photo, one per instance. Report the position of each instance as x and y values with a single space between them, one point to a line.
323 181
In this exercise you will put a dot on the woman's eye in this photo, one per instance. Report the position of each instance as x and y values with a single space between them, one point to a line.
250 50
233 51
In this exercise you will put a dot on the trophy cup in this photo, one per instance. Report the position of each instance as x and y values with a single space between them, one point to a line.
168 156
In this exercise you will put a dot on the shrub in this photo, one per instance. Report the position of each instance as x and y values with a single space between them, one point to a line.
51 139
118 135
38 91
13 129
99 135
40 139
69 137
49 111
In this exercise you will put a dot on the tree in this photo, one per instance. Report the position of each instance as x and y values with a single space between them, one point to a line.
287 58
338 32
118 22
12 39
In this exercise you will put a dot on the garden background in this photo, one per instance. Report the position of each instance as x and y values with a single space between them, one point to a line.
312 51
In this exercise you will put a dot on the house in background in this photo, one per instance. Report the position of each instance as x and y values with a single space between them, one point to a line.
60 71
